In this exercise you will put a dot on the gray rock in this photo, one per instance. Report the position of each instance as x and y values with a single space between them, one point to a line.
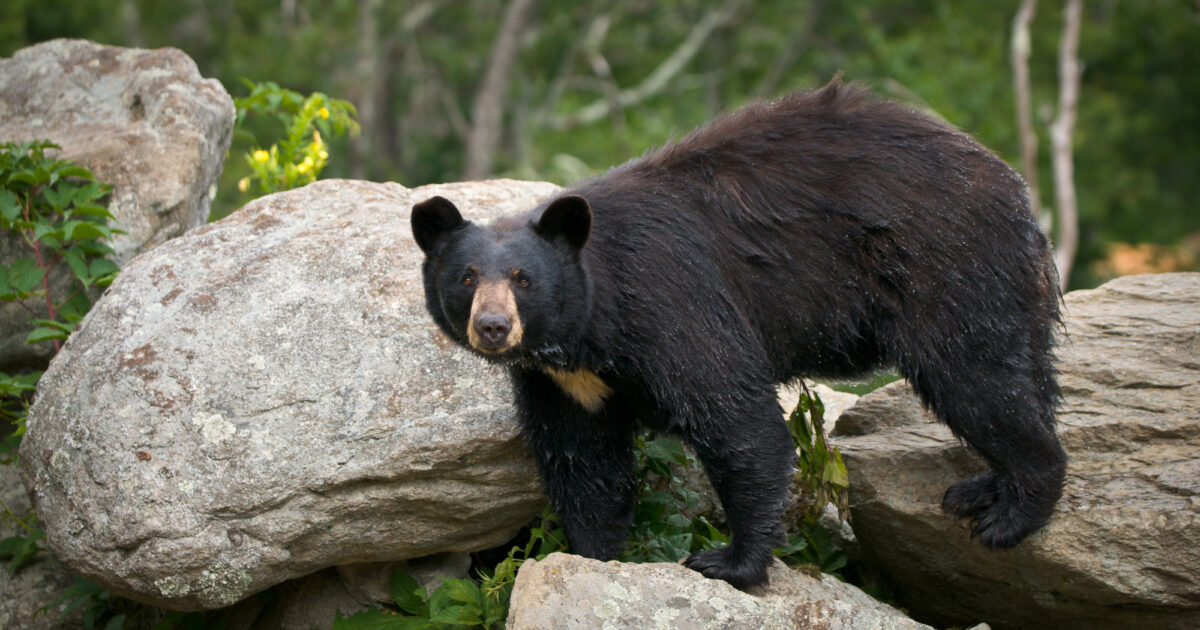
144 121
1121 551
266 396
564 592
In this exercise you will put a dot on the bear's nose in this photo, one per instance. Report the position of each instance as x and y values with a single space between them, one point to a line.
493 329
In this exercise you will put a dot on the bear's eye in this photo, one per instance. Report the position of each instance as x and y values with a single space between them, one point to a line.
522 280
468 279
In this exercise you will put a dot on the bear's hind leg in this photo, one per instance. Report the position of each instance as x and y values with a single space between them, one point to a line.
1007 416
747 452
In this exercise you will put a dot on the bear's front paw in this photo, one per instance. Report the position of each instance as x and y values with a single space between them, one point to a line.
723 564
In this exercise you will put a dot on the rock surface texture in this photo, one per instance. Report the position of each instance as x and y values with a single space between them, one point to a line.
144 121
1123 548
566 592
266 396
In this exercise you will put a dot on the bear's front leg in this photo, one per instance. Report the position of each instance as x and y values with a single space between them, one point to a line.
746 449
586 463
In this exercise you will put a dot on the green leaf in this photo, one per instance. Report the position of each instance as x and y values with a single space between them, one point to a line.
116 623
410 596
43 333
79 230
75 171
92 210
376 619
23 177
75 260
96 248
58 197
10 206
102 267
63 326
449 614
25 275
665 449
42 229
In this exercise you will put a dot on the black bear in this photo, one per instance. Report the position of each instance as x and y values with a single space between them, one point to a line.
822 234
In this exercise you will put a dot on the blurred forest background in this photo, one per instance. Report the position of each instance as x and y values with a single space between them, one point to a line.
559 90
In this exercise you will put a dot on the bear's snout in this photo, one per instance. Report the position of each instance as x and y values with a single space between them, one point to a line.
493 330
494 325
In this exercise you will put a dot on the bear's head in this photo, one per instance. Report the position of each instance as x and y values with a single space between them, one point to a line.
509 290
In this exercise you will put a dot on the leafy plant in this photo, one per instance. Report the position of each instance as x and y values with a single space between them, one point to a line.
15 392
301 155
94 602
820 479
546 537
821 476
22 548
54 209
666 526
460 602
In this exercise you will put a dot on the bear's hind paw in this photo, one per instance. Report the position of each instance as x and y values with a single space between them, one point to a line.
1001 513
723 564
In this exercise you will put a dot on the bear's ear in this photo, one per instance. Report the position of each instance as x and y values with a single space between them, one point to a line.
569 218
431 219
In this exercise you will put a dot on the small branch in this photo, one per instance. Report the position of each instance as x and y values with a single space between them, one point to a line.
1060 138
657 80
15 518
52 313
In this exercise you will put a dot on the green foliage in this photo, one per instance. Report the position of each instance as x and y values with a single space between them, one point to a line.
460 602
22 548
545 538
100 610
55 210
814 546
821 475
862 388
820 479
300 156
15 391
92 600
666 526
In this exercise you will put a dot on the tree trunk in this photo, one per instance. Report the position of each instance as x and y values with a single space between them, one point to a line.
1020 65
367 82
1069 73
483 139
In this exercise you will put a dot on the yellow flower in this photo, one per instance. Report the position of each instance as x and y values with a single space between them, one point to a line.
244 184
317 137
261 156
324 155
305 165
324 112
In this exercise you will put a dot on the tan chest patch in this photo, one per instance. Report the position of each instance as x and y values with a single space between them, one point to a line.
583 385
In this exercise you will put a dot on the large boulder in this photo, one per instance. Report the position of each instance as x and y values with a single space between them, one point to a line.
1123 548
566 592
266 396
144 121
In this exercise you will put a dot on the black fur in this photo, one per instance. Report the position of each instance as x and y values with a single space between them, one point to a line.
823 234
